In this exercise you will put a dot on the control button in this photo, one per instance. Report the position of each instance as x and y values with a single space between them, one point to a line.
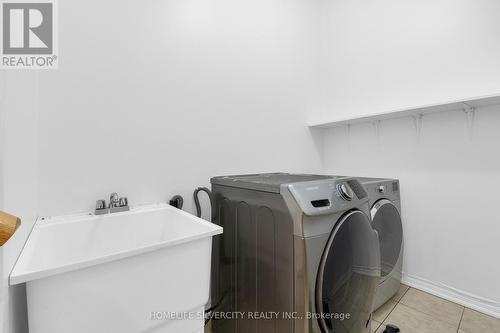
381 189
345 191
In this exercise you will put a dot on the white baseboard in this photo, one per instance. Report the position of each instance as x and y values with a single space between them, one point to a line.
478 303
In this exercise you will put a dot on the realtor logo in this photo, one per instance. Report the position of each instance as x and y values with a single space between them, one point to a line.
28 35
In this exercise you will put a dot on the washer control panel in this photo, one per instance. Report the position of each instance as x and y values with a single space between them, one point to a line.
328 196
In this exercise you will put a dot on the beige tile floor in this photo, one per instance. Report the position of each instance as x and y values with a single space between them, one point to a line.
415 311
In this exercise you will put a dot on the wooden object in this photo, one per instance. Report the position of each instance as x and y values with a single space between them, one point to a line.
8 226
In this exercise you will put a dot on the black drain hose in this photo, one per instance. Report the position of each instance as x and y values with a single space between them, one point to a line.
177 201
197 202
213 216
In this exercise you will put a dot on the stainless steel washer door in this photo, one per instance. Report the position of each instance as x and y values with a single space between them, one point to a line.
386 220
348 276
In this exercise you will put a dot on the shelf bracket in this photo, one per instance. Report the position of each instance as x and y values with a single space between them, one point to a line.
470 114
348 133
417 121
376 126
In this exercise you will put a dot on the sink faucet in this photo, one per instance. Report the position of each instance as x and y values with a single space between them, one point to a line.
116 204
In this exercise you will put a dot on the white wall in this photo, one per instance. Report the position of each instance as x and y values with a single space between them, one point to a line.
151 99
386 55
18 135
2 193
392 54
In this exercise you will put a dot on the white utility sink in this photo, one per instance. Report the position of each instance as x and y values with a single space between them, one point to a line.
145 270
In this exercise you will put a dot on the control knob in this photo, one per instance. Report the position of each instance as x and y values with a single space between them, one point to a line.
345 191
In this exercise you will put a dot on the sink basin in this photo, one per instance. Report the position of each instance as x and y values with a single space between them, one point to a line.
145 270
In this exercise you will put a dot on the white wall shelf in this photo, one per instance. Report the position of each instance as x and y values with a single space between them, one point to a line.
466 105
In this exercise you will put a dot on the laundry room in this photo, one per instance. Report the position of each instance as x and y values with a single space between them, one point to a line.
265 166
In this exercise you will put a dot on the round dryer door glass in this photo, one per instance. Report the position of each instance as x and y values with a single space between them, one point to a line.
387 221
348 275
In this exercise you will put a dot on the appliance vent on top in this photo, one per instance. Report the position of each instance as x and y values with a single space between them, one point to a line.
358 189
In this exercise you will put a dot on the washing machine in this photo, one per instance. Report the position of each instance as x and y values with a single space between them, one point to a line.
298 254
385 212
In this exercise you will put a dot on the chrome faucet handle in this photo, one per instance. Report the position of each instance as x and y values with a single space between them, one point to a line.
114 200
100 204
100 207
123 202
